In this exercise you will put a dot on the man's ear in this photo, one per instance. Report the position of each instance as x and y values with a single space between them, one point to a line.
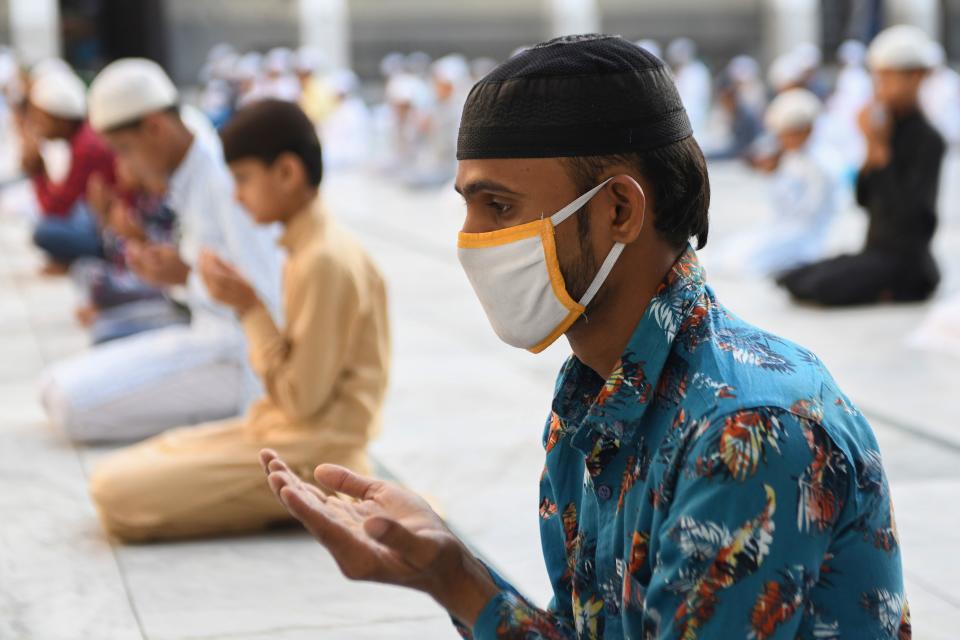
630 207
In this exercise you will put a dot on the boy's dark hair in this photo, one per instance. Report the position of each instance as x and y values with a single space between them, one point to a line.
681 187
267 128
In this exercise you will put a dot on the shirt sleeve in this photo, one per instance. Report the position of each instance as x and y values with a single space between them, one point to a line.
509 614
747 533
300 364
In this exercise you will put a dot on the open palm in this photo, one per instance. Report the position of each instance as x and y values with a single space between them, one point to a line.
375 530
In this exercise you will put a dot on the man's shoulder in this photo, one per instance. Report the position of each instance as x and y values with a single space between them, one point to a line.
723 364
742 377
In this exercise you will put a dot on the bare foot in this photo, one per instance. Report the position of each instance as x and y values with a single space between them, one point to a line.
86 314
54 269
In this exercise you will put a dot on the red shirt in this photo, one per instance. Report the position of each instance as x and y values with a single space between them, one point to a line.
89 154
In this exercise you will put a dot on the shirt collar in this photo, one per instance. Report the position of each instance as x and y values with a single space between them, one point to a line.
179 182
594 408
303 226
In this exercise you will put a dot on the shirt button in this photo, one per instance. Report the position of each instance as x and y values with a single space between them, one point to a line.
612 608
603 492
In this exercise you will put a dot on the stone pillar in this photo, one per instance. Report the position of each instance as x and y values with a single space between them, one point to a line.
325 24
788 23
922 13
35 29
565 17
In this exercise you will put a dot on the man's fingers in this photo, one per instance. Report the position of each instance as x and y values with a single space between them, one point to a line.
345 543
278 480
342 480
414 550
266 456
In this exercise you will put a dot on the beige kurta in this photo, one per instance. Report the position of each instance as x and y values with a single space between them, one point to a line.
325 374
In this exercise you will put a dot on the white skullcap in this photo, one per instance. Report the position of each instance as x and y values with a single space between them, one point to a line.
681 51
404 89
650 45
852 52
791 110
785 70
248 66
808 55
391 64
279 60
310 59
49 65
61 94
343 81
417 62
452 68
901 47
743 68
127 90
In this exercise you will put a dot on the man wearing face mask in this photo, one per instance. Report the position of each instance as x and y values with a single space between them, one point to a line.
703 478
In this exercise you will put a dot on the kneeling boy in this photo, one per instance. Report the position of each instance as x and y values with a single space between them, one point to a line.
325 371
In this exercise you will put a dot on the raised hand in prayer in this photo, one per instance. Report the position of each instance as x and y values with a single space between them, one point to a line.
875 124
159 265
121 218
225 284
30 159
380 532
100 196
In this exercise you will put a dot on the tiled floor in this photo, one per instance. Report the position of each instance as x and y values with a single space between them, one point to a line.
463 426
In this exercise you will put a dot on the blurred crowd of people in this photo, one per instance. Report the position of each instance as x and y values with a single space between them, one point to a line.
805 123
410 135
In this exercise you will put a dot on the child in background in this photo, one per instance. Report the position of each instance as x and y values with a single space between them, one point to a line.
804 194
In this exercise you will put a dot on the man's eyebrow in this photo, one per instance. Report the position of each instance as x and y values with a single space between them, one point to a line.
475 187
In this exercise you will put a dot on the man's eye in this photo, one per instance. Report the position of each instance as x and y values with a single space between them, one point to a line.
500 207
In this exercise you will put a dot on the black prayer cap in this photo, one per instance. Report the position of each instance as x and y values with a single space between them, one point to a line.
586 95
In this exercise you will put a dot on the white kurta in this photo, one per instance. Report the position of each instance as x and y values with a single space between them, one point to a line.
138 386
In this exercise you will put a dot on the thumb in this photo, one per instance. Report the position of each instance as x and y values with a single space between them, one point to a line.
413 549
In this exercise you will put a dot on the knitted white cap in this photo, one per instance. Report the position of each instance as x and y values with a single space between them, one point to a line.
61 94
791 110
127 90
901 47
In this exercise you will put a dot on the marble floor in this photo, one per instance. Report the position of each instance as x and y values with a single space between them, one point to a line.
61 579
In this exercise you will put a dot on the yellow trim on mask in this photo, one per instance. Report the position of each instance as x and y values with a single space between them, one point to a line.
544 229
549 244
556 333
501 236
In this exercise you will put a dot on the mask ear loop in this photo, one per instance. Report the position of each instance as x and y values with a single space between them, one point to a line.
607 266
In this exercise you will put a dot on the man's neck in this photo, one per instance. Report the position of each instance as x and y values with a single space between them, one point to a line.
299 204
183 140
599 338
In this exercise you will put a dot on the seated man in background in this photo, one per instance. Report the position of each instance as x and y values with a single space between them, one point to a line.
138 386
324 372
897 185
57 110
114 301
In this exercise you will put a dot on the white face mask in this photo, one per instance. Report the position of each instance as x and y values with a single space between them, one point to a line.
516 275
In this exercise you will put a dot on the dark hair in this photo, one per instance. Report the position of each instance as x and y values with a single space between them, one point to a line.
681 186
172 110
267 128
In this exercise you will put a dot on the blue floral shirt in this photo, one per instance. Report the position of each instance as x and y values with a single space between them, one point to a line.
717 485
